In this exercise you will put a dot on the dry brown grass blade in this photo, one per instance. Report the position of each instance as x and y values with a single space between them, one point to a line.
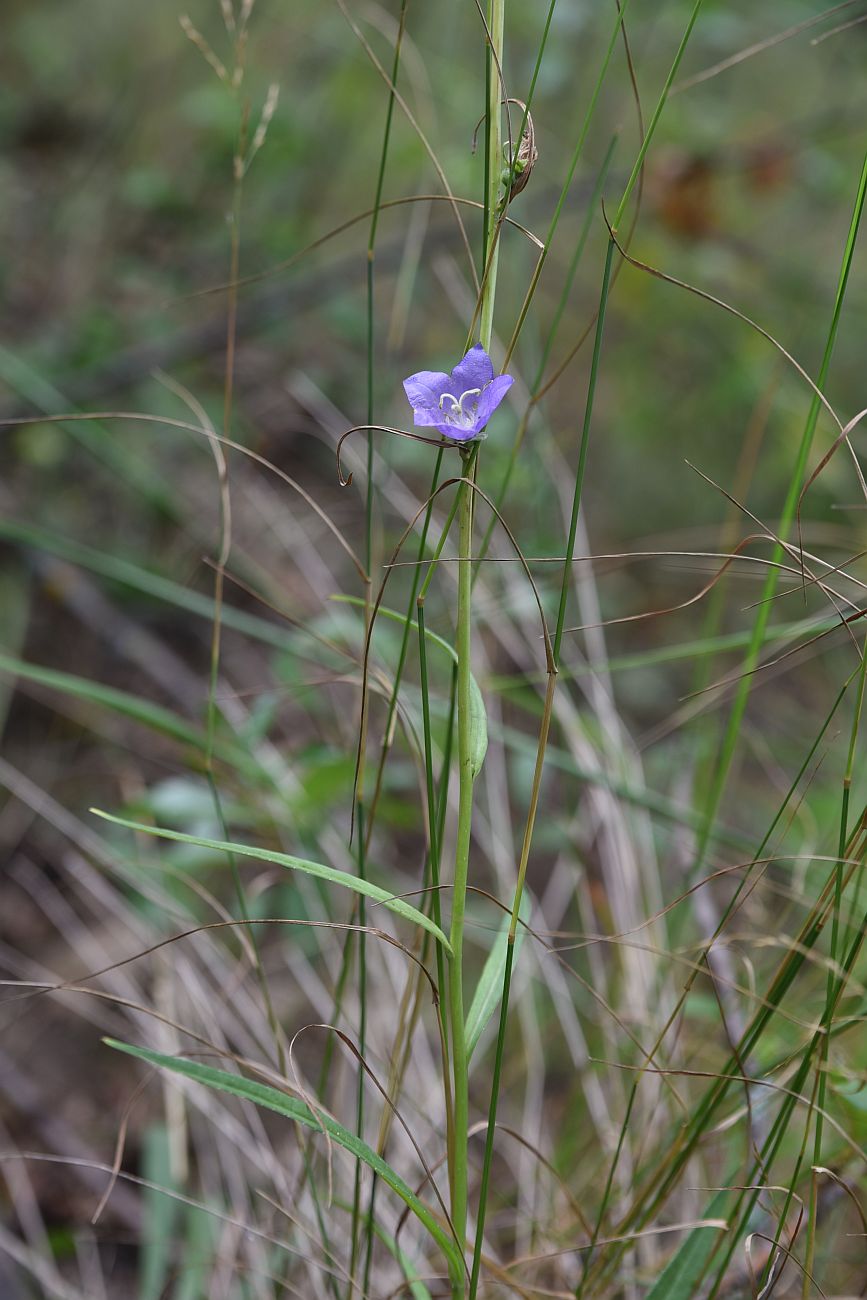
759 47
179 1197
278 268
345 480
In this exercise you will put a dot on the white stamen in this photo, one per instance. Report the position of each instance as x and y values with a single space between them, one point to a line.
457 415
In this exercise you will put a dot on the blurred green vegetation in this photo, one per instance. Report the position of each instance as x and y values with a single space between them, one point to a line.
116 161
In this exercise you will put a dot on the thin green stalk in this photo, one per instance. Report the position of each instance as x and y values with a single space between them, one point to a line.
822 1068
362 1041
653 1194
566 580
657 112
567 185
369 502
549 341
404 646
466 777
377 789
606 1194
507 974
494 152
434 838
459 1174
343 976
600 321
371 257
787 517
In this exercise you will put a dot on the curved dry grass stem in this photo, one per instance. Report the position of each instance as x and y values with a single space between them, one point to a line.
732 311
256 277
144 418
408 113
442 444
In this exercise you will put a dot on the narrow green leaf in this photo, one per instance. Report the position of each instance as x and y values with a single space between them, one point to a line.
414 1285
681 1275
478 728
198 1250
272 1099
317 869
489 989
15 604
116 568
478 714
159 1216
126 705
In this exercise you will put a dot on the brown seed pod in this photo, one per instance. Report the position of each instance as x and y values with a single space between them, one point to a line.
525 156
517 169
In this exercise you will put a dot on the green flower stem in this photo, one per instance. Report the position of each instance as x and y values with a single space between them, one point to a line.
466 777
466 774
493 160
507 975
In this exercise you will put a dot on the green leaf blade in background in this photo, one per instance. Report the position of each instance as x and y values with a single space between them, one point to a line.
261 1094
317 869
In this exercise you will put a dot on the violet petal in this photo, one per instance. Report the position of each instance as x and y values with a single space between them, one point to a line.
490 400
425 388
475 371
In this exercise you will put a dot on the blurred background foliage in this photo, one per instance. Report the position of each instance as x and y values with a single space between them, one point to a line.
116 153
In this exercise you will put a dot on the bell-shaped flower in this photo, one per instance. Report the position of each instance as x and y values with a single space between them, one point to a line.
458 405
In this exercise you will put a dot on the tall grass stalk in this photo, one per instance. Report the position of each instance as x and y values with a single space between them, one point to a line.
362 829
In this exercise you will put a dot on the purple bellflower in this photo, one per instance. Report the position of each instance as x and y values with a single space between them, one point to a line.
459 405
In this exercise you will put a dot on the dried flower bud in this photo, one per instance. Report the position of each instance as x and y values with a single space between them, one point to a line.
524 160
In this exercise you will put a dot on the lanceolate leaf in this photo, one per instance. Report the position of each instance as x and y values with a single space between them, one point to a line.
317 869
478 715
489 989
478 728
262 1094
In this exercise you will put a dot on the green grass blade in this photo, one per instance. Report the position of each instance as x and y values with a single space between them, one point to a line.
116 568
317 869
261 1094
414 1286
679 1279
150 715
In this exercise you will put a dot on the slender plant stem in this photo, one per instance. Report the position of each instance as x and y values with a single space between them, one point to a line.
493 158
787 516
827 1019
566 580
466 776
369 504
434 859
507 973
402 653
549 341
